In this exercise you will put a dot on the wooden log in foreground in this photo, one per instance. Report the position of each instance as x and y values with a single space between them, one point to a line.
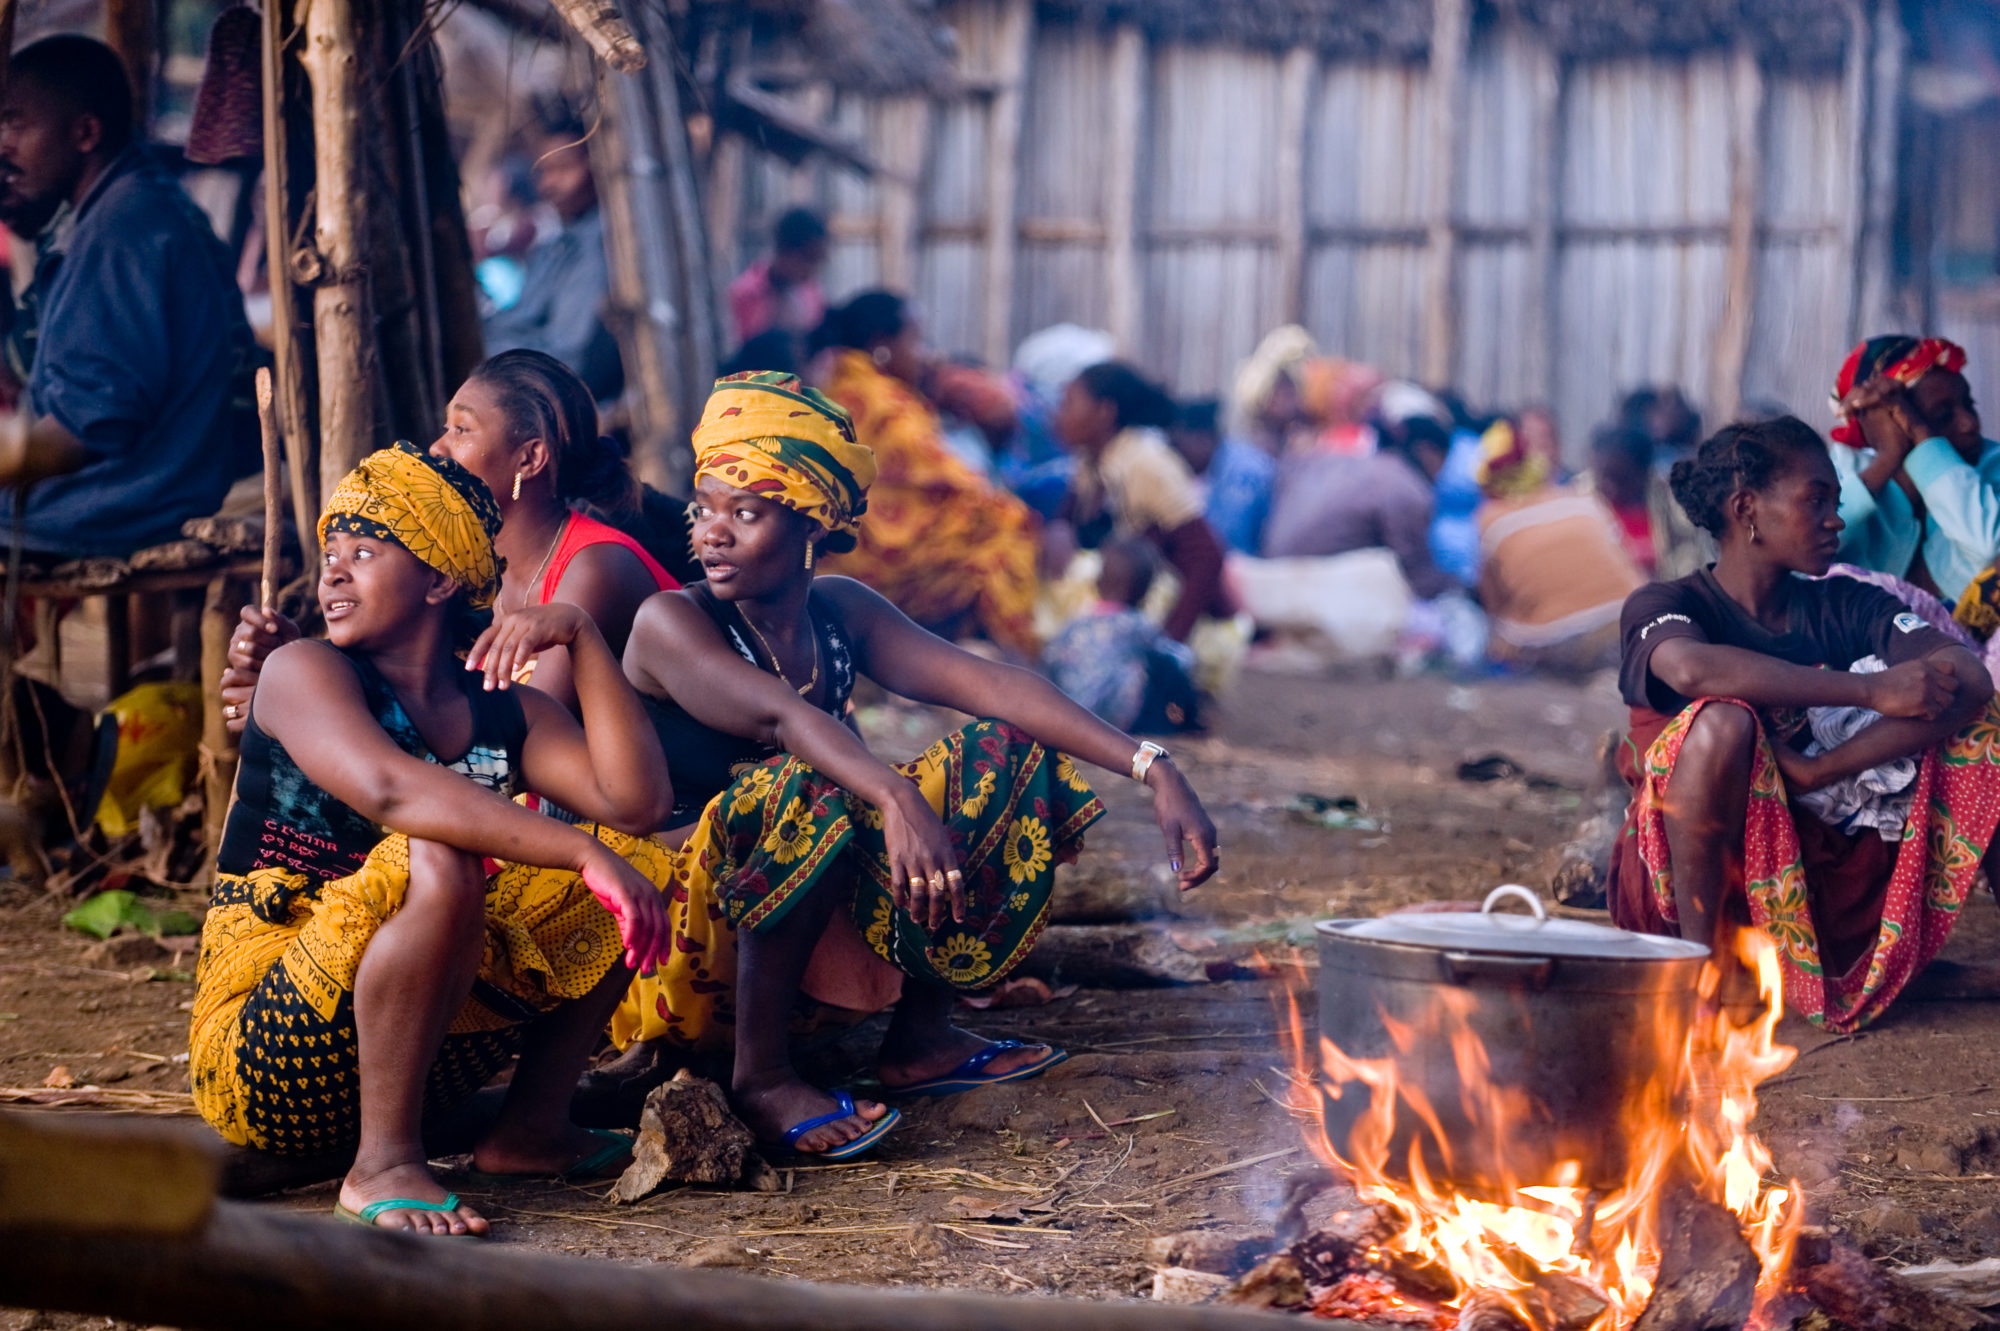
252 1267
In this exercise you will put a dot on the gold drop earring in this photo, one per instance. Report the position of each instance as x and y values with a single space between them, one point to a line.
1753 533
517 485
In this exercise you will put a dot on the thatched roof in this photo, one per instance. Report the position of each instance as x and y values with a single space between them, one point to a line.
1786 32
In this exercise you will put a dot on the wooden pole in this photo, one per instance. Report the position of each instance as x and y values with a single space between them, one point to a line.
1544 210
1126 79
274 487
1854 209
1294 119
607 33
343 322
251 1264
1885 111
1746 121
1451 31
906 125
131 28
1004 116
290 385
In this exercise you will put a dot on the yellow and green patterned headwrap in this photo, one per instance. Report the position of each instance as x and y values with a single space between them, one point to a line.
432 507
766 433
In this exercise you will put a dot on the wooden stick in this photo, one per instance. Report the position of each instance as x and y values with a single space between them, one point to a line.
300 461
274 492
328 1276
608 34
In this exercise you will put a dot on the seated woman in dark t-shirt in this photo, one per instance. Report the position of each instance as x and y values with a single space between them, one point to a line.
1713 837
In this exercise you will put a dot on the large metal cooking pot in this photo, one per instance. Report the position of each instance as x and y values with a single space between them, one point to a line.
1577 1024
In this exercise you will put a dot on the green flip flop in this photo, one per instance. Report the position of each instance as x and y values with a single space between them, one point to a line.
590 1169
367 1215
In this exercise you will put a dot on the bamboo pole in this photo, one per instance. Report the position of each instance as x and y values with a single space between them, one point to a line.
1732 339
343 322
251 1265
1451 32
1294 121
625 161
290 374
1126 79
1003 176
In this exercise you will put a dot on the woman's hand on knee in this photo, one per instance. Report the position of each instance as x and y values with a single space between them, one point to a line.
924 873
644 927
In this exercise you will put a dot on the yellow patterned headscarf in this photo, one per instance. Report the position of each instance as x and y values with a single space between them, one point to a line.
1507 469
432 507
766 433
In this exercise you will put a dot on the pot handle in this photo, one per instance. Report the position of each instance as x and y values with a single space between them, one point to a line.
1528 972
1506 890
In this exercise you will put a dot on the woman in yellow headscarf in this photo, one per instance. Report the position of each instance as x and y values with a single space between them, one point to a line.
362 959
807 864
948 548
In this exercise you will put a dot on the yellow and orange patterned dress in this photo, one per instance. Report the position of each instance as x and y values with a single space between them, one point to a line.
941 542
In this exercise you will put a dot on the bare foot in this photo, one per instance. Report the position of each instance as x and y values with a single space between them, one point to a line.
906 1066
411 1180
772 1110
543 1155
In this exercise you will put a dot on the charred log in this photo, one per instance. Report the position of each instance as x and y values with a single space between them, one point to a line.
1708 1271
1849 1288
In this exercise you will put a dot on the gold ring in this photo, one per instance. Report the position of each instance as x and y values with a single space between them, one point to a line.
231 710
954 873
915 881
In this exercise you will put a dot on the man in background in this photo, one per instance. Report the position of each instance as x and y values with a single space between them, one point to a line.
783 291
130 339
566 280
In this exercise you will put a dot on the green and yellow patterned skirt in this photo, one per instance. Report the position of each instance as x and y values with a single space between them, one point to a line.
1014 812
272 1051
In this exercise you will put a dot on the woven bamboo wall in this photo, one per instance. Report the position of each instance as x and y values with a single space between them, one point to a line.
1191 197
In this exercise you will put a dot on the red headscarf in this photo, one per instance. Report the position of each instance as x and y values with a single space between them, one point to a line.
1903 358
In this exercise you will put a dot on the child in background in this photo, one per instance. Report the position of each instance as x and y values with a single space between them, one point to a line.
1118 663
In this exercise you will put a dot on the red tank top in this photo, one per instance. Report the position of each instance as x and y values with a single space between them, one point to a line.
581 532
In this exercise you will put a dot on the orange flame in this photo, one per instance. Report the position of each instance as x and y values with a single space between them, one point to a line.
1692 1122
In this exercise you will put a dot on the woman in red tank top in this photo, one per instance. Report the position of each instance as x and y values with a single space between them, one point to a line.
525 425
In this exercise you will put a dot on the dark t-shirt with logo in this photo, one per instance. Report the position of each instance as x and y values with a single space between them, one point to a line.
1831 622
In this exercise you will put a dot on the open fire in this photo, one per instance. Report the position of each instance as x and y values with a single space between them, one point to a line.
1439 1252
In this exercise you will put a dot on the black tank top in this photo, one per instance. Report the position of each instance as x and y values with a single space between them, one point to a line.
281 819
705 760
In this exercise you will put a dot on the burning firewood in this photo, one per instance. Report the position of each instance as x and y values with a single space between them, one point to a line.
1708 1271
1275 1282
1490 1312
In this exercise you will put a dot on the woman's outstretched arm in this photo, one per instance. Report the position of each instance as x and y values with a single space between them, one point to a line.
906 659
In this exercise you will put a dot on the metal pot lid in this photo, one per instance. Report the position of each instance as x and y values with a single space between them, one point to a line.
1488 930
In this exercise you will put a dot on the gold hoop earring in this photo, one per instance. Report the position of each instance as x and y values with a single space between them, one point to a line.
809 556
1753 534
517 485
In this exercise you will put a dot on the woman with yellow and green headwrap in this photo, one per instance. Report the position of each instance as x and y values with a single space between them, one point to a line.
806 864
364 958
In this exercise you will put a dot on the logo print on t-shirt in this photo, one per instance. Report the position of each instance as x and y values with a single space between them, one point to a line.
1908 622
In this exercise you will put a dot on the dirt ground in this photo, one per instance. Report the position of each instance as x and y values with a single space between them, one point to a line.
1166 1117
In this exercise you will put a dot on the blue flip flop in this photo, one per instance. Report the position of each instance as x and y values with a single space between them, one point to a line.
971 1074
368 1214
844 1108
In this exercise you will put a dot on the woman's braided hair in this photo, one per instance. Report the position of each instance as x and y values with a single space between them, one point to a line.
1738 457
541 396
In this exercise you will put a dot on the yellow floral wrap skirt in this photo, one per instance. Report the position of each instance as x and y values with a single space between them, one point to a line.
272 1049
1013 809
